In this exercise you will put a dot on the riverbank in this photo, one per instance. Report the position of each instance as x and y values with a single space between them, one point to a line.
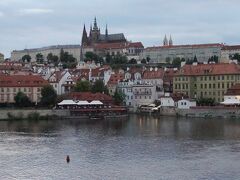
201 112
16 114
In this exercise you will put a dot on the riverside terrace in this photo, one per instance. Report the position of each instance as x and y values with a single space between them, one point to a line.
91 109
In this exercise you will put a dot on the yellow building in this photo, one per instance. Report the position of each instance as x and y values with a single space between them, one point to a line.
206 80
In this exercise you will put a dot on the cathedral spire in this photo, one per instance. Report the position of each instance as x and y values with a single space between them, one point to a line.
170 41
165 41
84 36
106 33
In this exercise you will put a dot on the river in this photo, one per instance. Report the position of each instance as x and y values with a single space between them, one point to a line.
142 147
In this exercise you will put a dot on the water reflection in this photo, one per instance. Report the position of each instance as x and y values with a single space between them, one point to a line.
142 147
170 127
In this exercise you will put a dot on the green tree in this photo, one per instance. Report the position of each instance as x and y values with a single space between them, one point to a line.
119 97
236 56
189 61
205 102
213 59
108 58
49 96
119 59
53 59
132 61
26 58
176 62
67 60
22 100
195 59
144 61
168 60
90 56
148 59
99 86
39 58
82 86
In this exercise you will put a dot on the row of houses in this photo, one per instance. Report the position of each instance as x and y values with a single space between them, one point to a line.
140 85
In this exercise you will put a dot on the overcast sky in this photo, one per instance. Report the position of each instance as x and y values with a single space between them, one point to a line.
37 23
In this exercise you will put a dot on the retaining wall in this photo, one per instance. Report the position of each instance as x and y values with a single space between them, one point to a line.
25 112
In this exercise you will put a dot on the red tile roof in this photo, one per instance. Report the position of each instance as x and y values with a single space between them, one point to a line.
235 47
22 81
115 78
153 74
10 66
120 45
88 96
135 45
209 69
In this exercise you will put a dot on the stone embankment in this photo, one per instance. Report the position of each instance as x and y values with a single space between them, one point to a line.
25 113
202 112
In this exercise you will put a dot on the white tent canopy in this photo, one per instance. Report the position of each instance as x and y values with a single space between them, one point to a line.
230 102
96 103
83 103
67 102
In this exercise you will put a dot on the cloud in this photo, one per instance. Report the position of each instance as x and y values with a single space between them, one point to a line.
33 11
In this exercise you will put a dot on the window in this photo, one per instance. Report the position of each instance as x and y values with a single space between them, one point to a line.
210 86
210 78
213 86
222 77
222 85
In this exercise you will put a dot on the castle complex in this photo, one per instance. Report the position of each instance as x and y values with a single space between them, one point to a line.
117 44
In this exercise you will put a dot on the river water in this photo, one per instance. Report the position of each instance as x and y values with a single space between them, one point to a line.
142 147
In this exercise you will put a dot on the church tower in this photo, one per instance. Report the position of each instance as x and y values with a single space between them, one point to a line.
170 41
95 32
106 33
165 41
84 37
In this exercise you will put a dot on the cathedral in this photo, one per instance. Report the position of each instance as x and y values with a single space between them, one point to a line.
95 36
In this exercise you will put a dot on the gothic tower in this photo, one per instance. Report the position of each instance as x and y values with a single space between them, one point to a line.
165 41
170 41
84 37
95 32
106 33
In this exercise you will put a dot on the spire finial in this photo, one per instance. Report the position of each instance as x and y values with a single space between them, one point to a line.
95 24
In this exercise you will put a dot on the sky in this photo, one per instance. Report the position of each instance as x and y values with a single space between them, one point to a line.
39 23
